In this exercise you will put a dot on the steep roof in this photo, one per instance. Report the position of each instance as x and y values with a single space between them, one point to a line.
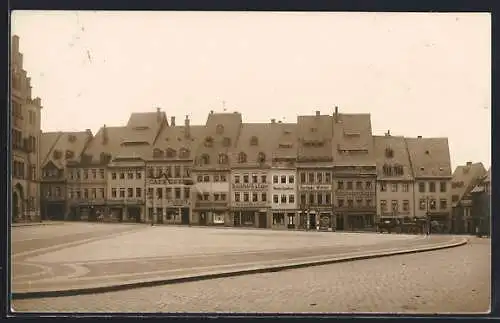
175 137
68 148
222 130
465 177
254 138
487 178
430 157
284 138
352 140
315 137
144 127
391 151
47 142
111 145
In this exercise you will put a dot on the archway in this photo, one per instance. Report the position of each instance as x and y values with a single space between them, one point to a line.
17 202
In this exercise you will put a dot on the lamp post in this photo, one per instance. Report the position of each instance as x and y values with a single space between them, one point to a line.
46 204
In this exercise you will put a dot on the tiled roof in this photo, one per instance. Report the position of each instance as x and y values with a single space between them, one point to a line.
284 138
391 151
73 142
430 157
223 129
174 137
254 138
487 179
110 146
144 127
470 176
47 142
352 140
315 137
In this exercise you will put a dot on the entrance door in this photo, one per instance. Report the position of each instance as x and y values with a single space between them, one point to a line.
185 215
262 220
340 222
134 214
312 221
203 218
237 219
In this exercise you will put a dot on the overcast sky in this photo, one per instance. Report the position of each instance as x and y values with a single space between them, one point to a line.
417 74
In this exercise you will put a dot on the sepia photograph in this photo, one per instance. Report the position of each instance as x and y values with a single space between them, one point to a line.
250 162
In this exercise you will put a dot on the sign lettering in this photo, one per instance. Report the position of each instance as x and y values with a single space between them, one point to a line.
250 186
316 187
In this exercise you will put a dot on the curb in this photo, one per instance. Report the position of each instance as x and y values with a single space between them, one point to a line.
268 269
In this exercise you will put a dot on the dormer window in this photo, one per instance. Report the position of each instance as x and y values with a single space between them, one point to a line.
254 141
69 154
223 159
219 129
389 153
141 128
71 138
171 153
184 153
205 159
226 142
57 154
157 153
422 168
209 142
314 129
105 158
261 158
427 152
242 157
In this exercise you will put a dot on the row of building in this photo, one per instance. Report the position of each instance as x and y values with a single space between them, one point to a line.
325 170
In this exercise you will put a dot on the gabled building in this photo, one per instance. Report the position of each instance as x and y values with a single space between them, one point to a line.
86 175
394 178
25 140
168 175
283 175
59 150
314 168
481 205
250 161
126 180
354 171
465 178
212 171
430 160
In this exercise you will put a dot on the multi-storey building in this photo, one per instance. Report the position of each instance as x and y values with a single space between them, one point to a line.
250 164
168 175
211 170
354 171
127 170
59 149
430 160
314 168
86 175
283 175
25 138
481 205
394 178
465 178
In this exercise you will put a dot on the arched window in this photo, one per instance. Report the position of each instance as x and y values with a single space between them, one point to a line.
205 159
171 153
242 157
261 157
254 141
157 153
223 159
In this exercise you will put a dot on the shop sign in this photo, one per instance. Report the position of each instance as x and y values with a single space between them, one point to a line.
283 188
250 186
316 187
158 181
250 204
178 202
218 218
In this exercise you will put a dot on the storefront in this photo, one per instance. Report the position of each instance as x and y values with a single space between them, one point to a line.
246 217
210 216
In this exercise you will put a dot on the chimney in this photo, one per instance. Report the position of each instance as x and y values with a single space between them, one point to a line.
318 113
104 135
273 120
172 121
211 111
186 127
388 133
37 101
419 137
469 164
158 114
336 113
15 44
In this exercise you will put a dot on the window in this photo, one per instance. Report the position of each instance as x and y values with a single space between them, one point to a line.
275 179
205 159
261 157
368 185
283 179
421 187
319 177
216 196
177 171
405 187
237 196
303 199
113 192
177 192
101 192
443 204
359 202
340 185
246 197
383 187
278 219
368 202
130 192
394 187
86 193
311 198
328 177
264 197
395 206
302 177
122 192
275 199
291 179
383 205
85 173
254 141
245 178
442 187
242 158
206 197
216 178
138 192
263 178
255 179
199 178
421 204
320 198
94 193
340 202
223 178
349 185
159 192
186 171
168 193
219 129
101 173
291 198
328 198
311 177
122 175
206 178
432 187
350 203
237 179
432 204
255 197
454 198
186 192
283 198
226 142
223 196
58 191
138 175
406 205
78 194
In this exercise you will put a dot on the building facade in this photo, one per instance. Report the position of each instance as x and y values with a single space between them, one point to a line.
481 205
394 178
25 139
431 165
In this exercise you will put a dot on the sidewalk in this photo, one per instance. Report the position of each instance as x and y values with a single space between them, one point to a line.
29 224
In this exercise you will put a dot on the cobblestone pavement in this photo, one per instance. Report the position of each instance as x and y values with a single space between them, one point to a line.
454 280
118 254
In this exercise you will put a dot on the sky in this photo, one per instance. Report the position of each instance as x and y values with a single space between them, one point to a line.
425 74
